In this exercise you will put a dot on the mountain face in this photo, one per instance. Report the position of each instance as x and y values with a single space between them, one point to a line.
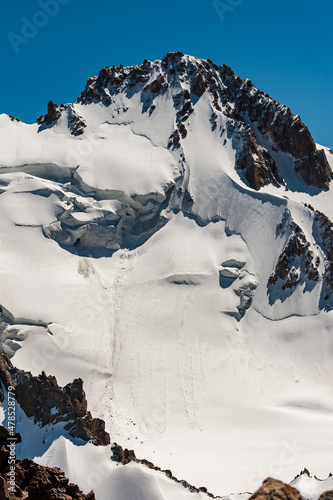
256 125
252 120
167 285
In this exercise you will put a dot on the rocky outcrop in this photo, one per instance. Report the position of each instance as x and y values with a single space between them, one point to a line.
75 123
14 119
35 482
110 80
156 85
183 100
5 367
42 399
288 269
52 116
254 162
198 85
327 495
272 489
314 168
297 262
323 228
122 455
286 130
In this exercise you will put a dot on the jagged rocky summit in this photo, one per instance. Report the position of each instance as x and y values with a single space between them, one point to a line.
257 125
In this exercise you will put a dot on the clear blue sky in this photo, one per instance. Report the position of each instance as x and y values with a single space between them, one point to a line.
284 46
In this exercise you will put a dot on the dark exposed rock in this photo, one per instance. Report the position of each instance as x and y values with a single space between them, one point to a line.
7 438
323 226
5 375
306 472
42 399
314 169
182 101
110 80
297 262
53 114
297 259
272 489
254 161
213 121
327 495
199 85
174 140
121 455
36 482
14 119
172 58
156 85
286 130
76 123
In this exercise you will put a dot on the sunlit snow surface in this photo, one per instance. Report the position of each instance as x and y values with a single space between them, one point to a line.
152 330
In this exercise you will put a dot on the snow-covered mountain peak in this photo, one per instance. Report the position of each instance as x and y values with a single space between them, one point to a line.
168 241
270 143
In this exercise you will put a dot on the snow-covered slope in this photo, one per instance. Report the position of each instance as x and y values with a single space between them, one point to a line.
167 239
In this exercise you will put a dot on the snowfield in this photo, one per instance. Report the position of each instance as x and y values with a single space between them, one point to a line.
180 348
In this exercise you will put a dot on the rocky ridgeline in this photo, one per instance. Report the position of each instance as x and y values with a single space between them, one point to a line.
36 482
42 399
125 456
271 489
286 130
253 118
75 123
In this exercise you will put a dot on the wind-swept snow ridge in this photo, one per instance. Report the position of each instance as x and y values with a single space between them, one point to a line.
168 240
